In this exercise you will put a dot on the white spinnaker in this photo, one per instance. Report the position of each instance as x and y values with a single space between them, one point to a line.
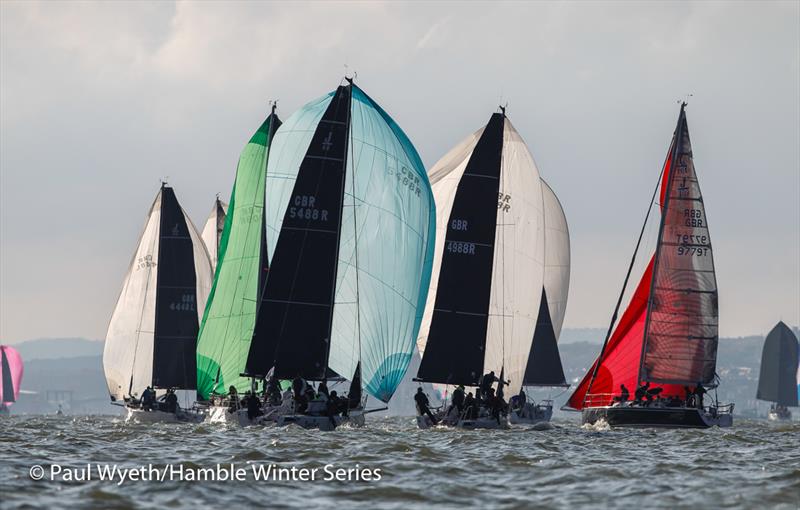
128 351
556 257
444 177
212 230
518 272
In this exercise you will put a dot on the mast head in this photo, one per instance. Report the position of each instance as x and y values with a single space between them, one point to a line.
273 105
503 109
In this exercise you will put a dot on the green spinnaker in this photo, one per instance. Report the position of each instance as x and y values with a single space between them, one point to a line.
227 327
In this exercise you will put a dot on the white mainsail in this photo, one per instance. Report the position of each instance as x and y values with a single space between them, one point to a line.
129 345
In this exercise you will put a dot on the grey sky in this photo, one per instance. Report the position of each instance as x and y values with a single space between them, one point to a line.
100 100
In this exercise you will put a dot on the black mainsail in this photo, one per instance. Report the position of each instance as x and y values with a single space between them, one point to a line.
456 345
777 380
293 328
176 324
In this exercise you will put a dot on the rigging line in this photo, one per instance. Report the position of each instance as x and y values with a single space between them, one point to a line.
625 283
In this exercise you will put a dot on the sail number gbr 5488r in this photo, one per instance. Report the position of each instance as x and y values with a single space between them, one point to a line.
303 208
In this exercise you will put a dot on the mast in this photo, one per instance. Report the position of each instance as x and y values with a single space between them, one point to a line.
456 344
293 327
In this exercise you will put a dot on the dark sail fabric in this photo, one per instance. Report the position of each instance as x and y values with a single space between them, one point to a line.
777 381
456 344
293 327
681 329
544 363
176 324
354 395
8 383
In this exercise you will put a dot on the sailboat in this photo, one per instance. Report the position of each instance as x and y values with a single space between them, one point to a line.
488 273
153 331
665 344
212 230
242 267
544 368
352 219
778 378
10 377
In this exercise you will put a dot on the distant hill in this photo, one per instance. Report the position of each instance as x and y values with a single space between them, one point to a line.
58 348
588 335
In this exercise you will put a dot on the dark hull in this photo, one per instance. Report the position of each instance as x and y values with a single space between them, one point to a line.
664 417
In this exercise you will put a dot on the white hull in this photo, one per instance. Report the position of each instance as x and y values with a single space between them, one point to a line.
182 416
531 414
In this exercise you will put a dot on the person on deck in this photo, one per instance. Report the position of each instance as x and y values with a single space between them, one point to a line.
496 406
253 407
233 399
322 389
522 399
148 398
298 390
458 400
274 391
485 384
641 391
423 405
469 406
171 401
699 392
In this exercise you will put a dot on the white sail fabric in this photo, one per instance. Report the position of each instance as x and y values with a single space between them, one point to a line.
518 273
444 177
212 231
128 349
519 258
556 257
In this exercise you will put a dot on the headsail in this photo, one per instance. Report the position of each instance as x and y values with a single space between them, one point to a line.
387 215
212 231
778 376
229 319
489 262
157 314
10 374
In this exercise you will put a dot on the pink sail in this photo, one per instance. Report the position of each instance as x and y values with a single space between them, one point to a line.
10 374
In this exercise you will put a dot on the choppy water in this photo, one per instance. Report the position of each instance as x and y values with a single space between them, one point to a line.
755 464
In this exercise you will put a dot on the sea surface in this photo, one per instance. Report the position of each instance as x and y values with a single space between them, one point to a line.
754 464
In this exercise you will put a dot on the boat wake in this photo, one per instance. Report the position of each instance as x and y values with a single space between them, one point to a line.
599 426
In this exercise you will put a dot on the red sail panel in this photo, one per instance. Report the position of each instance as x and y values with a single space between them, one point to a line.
620 359
682 327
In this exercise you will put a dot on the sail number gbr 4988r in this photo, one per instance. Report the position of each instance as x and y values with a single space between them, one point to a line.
461 247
